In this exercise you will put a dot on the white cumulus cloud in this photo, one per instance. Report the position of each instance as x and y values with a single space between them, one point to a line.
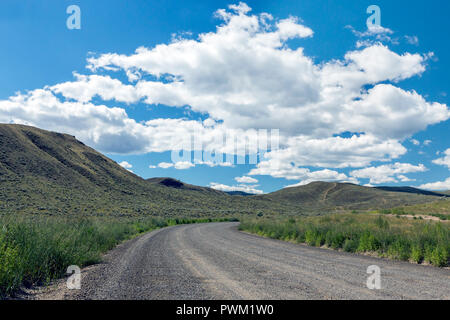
388 173
444 161
439 185
245 179
243 188
181 165
126 165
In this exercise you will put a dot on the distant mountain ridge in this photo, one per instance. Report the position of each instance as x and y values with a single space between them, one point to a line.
414 190
53 173
239 193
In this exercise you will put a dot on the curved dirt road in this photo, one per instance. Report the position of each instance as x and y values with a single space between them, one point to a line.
216 261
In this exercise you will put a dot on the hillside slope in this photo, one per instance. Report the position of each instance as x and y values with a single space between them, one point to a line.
341 196
47 172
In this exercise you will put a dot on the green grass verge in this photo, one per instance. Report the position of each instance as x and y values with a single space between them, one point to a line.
392 237
36 250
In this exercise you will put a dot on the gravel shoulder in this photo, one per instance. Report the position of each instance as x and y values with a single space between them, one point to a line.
216 261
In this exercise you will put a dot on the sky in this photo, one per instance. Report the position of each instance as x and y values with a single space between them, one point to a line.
310 90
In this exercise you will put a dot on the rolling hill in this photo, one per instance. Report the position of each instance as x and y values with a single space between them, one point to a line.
53 173
345 196
49 172
415 191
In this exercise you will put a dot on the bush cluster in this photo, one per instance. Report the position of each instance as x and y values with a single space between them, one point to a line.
401 239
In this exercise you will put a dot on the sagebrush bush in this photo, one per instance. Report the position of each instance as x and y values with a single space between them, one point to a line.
417 253
367 243
399 250
310 237
350 245
10 267
439 256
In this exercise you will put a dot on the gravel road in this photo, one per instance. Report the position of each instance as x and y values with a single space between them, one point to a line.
216 261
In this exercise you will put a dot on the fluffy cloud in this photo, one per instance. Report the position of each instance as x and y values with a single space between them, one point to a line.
333 152
290 171
372 30
244 76
307 176
243 188
105 128
374 33
87 87
215 164
439 185
108 129
388 173
182 165
246 179
444 161
388 111
165 165
126 165
414 40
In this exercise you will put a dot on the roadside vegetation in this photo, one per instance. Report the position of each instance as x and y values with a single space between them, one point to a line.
35 250
397 238
439 209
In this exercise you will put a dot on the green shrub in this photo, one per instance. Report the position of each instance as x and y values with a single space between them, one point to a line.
398 211
367 243
10 267
337 240
399 250
428 253
382 223
310 237
417 253
320 240
439 256
350 245
329 238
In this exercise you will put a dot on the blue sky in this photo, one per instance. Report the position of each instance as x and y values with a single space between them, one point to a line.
396 110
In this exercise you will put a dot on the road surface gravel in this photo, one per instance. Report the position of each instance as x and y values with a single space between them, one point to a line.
216 261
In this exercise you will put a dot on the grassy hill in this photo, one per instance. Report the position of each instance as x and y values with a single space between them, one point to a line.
344 196
44 172
48 172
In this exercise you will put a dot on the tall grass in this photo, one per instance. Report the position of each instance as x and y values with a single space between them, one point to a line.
392 237
35 250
